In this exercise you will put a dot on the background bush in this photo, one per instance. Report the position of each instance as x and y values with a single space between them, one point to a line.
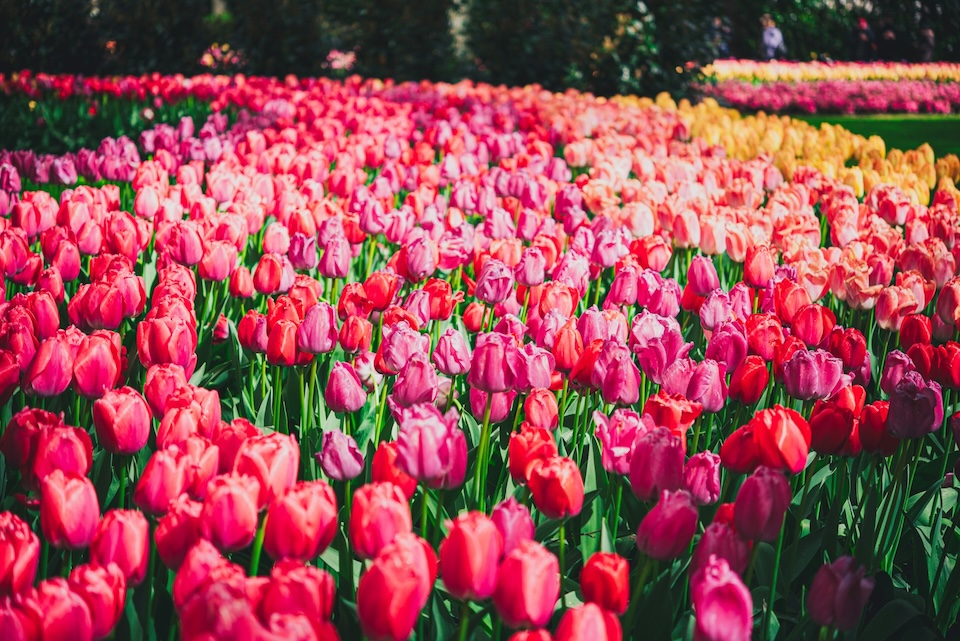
603 46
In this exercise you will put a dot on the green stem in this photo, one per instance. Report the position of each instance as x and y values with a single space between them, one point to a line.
380 409
563 542
480 477
257 548
765 630
637 593
124 473
277 401
44 559
346 563
464 620
151 571
615 524
424 513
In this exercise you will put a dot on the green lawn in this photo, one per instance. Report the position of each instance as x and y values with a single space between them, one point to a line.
901 130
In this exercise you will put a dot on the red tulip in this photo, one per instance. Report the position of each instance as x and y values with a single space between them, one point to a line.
282 344
229 517
167 340
384 469
69 510
302 523
394 590
163 479
588 622
749 380
916 328
528 584
122 420
20 619
379 514
122 538
162 382
526 446
96 368
759 265
65 613
298 589
605 580
721 540
177 531
469 556
556 486
874 435
104 589
19 554
67 449
51 369
273 460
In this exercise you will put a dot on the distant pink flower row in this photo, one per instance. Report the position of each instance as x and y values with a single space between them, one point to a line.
838 96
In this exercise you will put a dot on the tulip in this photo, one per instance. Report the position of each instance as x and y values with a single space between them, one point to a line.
298 589
317 333
122 420
813 324
19 554
241 283
66 616
495 365
163 479
749 380
344 392
617 434
813 375
452 355
177 531
701 477
96 368
103 589
229 517
379 514
69 510
723 604
656 464
839 593
874 435
425 446
395 589
833 423
916 328
273 460
759 265
526 446
556 486
122 538
340 458
514 523
588 621
674 412
469 556
916 407
383 468
494 282
540 408
167 340
605 580
528 584
761 505
724 542
67 449
667 529
416 383
20 620
51 369
282 344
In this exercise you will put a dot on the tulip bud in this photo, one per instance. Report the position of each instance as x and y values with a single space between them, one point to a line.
514 523
701 477
296 589
122 538
667 529
761 505
721 540
229 518
916 407
344 392
394 590
383 469
69 510
469 556
528 584
19 554
340 458
723 604
656 464
839 593
177 531
65 614
605 580
380 512
163 479
588 622
556 486
122 420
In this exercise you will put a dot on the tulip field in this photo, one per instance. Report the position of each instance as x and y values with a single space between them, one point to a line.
310 359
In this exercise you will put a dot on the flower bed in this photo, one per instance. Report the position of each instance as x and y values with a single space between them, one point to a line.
842 88
379 360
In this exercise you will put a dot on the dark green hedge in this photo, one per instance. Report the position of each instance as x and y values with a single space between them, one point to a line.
604 46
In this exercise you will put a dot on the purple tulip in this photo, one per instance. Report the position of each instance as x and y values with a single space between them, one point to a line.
340 458
916 407
839 593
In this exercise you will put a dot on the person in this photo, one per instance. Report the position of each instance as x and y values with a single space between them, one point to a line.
863 42
719 36
928 43
887 45
772 45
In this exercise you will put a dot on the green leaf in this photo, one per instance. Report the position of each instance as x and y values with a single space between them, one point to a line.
891 618
651 622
